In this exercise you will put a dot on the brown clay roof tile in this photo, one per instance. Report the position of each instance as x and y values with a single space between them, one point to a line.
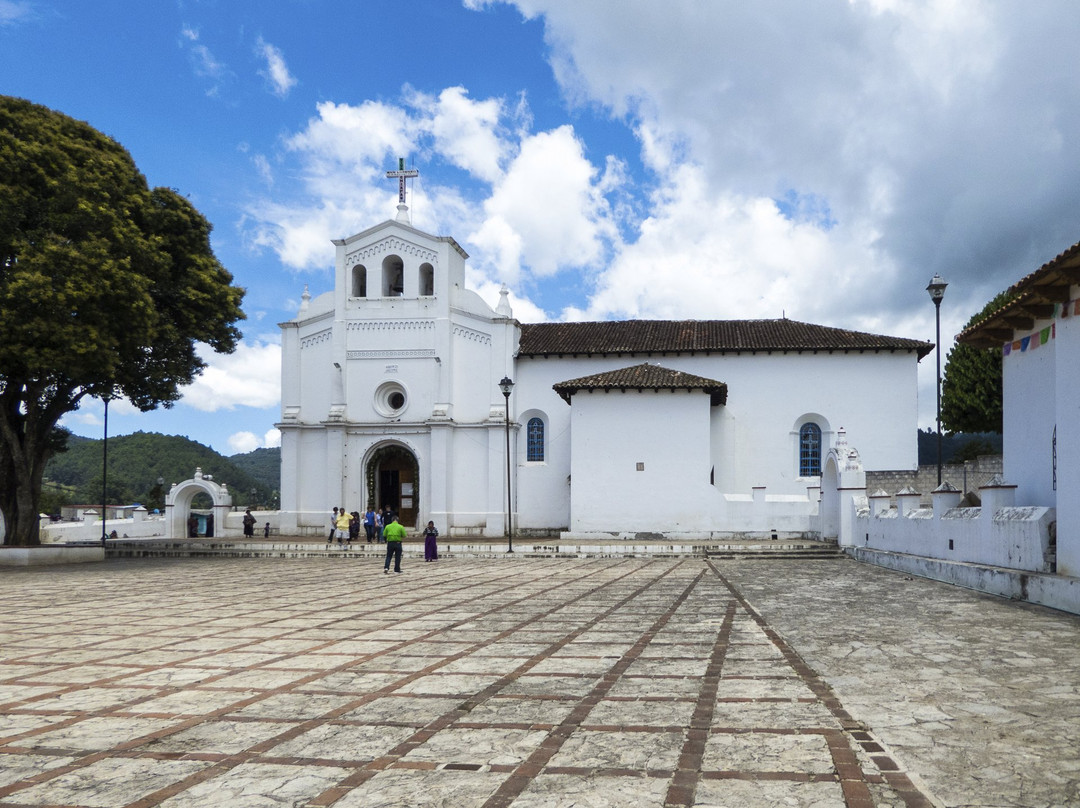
701 336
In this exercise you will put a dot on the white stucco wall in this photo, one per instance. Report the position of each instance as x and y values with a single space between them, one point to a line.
753 439
1067 380
1029 416
1042 393
666 432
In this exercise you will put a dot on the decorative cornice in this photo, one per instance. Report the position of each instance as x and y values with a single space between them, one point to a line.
317 338
470 334
390 325
390 245
421 353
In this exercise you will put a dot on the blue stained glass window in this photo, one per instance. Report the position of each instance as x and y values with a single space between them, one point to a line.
810 450
535 435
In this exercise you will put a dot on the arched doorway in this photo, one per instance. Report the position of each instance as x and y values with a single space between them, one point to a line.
393 481
198 505
830 498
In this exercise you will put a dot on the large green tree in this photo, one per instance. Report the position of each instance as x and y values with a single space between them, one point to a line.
971 389
106 286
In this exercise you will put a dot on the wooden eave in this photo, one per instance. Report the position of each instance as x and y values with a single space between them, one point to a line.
1036 295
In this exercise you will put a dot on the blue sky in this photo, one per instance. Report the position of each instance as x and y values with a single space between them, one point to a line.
603 159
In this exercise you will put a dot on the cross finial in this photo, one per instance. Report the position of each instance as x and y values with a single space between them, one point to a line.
402 174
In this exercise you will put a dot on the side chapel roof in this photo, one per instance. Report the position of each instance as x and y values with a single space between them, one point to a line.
702 336
1036 295
643 377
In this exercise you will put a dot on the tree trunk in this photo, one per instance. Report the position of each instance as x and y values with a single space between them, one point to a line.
27 442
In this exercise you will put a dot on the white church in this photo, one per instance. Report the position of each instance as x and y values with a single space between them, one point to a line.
693 429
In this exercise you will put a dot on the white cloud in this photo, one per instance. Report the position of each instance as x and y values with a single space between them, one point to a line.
251 377
276 72
242 442
203 62
466 132
547 213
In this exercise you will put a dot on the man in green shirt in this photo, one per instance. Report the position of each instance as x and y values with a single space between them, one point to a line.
394 533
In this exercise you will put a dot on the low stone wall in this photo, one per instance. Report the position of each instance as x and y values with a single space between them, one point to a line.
965 477
1054 591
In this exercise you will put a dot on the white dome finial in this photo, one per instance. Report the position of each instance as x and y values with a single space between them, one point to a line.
503 309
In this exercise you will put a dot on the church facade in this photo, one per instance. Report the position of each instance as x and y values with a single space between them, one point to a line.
391 397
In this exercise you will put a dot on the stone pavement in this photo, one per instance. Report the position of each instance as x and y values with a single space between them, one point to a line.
528 682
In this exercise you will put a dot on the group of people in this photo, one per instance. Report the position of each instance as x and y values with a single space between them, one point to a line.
345 526
379 526
249 525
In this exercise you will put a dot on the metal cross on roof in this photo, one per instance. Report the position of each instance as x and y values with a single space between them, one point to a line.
402 174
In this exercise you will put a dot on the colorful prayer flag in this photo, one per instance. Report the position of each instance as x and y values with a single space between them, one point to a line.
1044 335
1024 343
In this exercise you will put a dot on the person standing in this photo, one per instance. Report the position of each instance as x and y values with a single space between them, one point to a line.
249 523
354 526
369 523
378 527
431 542
394 533
333 528
342 525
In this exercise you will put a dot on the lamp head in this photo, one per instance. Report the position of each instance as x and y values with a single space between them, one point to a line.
936 288
506 386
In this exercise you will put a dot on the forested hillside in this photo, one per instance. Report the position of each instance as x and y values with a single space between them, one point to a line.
136 463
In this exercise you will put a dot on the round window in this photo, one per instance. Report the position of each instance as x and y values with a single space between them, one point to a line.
390 399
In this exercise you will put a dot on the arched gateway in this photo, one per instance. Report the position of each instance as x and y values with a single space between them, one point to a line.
178 504
393 481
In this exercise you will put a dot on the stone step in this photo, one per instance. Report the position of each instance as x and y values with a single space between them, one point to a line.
286 548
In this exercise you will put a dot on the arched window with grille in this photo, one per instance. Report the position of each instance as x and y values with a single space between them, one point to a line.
810 450
535 435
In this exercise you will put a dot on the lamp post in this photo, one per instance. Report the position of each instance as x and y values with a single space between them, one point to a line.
105 470
936 288
506 386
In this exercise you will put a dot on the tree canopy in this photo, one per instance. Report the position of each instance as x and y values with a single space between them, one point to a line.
106 287
971 388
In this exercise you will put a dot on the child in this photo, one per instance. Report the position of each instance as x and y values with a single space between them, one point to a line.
431 547
266 531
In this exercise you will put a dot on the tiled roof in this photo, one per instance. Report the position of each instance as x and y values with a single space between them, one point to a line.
643 377
1035 296
701 336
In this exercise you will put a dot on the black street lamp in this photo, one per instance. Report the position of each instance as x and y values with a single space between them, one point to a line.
105 470
936 288
506 386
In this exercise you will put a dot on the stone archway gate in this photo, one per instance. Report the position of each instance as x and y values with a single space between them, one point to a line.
178 504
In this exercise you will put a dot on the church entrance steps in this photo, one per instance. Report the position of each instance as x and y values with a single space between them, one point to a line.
298 547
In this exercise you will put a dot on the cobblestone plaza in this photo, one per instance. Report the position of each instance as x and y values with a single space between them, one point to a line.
529 682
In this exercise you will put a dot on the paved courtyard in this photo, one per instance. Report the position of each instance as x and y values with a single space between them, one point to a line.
528 682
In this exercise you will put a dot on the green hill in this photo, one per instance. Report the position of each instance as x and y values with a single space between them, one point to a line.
136 463
263 465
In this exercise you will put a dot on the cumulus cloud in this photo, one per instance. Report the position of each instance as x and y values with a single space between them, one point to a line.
543 209
250 377
922 128
820 161
547 213
276 71
242 442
